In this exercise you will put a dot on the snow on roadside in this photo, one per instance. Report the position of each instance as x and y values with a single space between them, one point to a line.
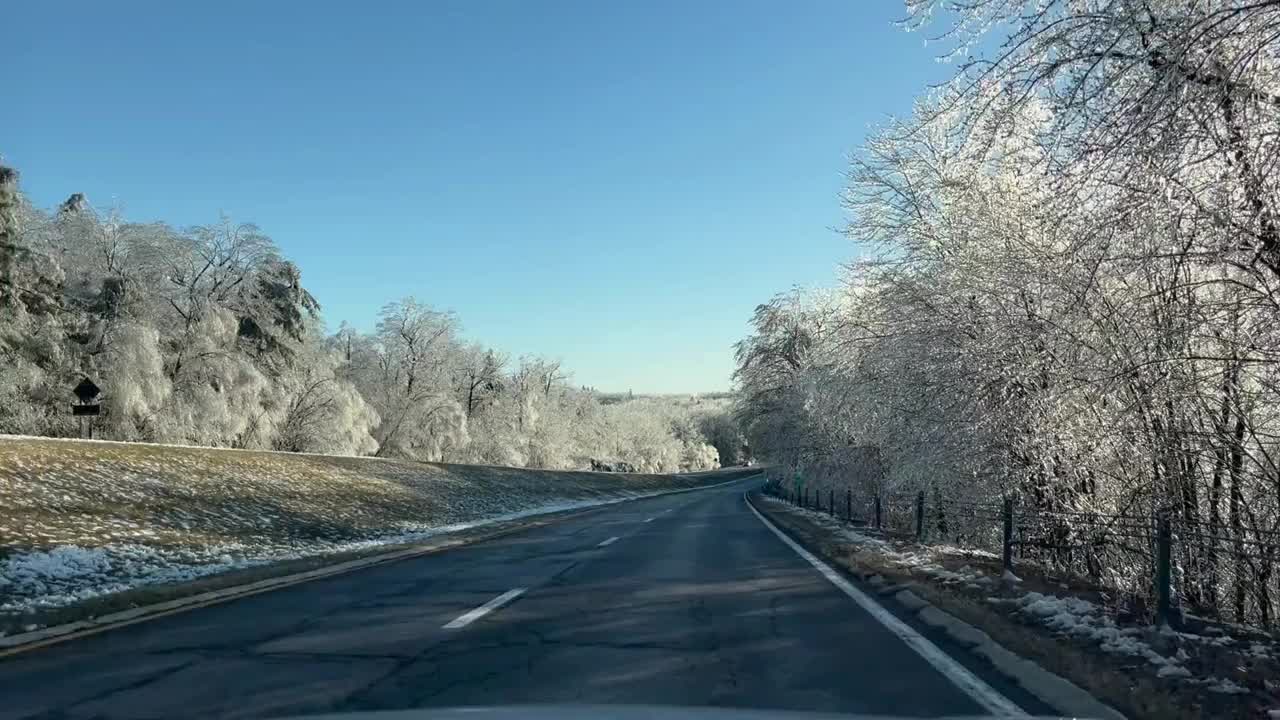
1065 615
68 573
1068 616
1078 618
922 559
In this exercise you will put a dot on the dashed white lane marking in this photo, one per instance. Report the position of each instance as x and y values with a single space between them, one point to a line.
970 684
471 616
610 541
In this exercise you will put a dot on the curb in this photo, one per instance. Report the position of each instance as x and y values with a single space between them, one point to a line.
25 642
1052 689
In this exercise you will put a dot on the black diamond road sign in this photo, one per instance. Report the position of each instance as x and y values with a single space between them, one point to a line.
87 391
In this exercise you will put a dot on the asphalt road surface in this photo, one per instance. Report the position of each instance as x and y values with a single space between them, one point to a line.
687 599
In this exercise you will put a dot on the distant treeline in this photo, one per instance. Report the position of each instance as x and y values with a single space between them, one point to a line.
207 336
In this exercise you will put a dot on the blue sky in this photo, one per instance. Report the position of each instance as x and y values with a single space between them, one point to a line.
617 184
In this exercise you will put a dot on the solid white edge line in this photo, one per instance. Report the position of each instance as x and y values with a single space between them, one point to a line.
982 693
610 541
471 616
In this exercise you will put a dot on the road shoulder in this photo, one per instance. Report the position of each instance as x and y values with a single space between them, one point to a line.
987 638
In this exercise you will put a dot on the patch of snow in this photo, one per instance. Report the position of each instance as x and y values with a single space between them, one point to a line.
1037 604
1079 618
1226 687
965 552
1259 650
1065 615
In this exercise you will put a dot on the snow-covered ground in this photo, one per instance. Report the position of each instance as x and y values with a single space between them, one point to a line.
83 519
1065 615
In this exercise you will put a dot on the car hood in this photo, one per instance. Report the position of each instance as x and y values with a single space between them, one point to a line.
612 712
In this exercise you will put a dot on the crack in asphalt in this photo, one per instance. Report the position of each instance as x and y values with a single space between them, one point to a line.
703 616
467 681
353 700
559 576
606 645
137 684
246 653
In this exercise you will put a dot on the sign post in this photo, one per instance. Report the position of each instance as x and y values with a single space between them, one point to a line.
87 393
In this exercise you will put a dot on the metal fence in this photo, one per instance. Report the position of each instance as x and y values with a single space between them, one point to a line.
1160 565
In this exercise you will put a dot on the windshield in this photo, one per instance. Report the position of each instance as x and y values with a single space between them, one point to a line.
907 358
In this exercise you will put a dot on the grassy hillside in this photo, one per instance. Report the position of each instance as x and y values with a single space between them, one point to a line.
80 519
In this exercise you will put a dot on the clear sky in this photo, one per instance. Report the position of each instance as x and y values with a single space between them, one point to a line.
617 184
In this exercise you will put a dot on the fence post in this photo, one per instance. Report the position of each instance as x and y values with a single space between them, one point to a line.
1007 515
877 511
848 505
920 516
831 501
1164 574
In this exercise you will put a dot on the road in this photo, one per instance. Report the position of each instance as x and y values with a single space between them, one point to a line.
686 599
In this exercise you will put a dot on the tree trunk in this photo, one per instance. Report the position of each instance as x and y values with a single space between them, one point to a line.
1235 509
